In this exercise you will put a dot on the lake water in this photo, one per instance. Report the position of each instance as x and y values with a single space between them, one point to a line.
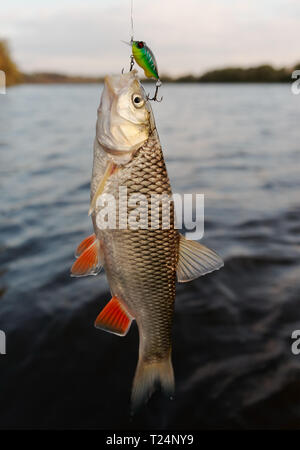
237 144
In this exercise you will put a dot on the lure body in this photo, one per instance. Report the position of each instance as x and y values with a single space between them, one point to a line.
144 57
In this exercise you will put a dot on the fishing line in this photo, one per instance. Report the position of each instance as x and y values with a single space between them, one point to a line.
131 17
144 57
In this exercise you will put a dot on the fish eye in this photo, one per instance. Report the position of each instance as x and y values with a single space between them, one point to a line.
138 100
140 44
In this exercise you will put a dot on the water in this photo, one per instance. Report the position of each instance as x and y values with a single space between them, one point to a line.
237 144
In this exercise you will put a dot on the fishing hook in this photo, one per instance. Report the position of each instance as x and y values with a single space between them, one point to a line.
131 63
154 98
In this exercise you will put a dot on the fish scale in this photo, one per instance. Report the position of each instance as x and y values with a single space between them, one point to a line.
141 264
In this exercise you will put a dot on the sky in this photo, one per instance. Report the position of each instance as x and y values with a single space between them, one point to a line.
187 36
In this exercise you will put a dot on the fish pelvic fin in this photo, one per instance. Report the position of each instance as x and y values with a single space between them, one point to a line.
147 377
195 260
89 260
114 318
85 244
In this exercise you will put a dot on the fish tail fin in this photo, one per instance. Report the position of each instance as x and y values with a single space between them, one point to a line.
147 376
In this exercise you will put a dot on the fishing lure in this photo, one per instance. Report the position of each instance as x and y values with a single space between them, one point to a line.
145 58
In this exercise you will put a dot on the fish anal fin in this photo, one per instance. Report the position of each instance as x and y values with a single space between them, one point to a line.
195 260
85 244
114 318
89 262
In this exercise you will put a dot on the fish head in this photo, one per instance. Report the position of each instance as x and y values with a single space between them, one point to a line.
125 118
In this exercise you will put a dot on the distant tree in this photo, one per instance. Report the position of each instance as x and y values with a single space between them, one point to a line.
260 74
296 66
13 76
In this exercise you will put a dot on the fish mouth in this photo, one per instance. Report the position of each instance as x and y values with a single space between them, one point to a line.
116 83
109 86
113 85
108 96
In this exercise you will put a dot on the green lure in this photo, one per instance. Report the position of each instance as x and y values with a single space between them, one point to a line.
145 59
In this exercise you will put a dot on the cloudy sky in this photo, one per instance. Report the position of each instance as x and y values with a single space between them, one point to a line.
83 36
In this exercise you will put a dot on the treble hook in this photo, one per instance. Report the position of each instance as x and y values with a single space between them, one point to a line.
131 63
154 98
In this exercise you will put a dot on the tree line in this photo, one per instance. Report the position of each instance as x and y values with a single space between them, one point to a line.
13 75
260 74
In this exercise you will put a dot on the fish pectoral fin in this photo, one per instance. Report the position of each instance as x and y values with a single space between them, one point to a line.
114 318
195 260
85 244
88 262
110 169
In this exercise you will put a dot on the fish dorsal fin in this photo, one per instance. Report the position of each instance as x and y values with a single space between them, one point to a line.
114 318
85 244
195 260
89 261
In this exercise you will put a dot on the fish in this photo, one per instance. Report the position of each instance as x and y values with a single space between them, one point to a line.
141 263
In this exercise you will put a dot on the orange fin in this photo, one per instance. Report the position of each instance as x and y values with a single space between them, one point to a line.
88 262
85 244
114 318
